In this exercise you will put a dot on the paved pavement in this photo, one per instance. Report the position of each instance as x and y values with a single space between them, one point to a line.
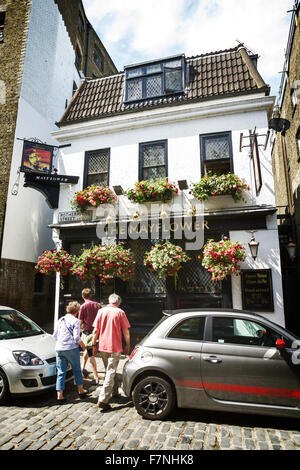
38 423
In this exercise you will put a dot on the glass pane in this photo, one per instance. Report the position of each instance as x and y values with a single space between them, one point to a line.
239 331
194 278
135 89
216 147
134 73
173 80
173 63
98 162
144 281
154 86
153 68
156 172
153 155
100 179
191 329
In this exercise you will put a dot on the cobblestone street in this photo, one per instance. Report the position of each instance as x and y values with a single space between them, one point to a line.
34 423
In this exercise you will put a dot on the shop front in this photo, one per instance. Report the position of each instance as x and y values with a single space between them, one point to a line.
145 296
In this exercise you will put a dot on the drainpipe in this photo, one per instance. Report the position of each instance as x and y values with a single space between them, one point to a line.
286 173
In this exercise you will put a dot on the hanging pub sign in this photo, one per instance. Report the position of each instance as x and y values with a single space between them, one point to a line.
37 166
257 290
37 157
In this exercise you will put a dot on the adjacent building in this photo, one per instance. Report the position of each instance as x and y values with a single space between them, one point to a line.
286 169
176 117
46 49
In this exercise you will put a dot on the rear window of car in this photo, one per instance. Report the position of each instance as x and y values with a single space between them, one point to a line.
189 329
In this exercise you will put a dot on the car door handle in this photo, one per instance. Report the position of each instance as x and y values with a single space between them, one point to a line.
212 359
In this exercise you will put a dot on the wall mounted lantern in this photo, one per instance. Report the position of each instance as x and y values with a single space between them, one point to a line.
291 249
253 246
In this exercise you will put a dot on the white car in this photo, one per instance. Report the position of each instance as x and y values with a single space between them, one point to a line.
27 356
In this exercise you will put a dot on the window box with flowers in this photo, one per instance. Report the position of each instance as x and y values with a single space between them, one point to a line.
165 259
105 262
222 258
220 185
152 191
92 197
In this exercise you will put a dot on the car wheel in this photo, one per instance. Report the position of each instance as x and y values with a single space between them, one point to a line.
153 398
4 388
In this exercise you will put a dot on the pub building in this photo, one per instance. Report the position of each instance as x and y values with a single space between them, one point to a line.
178 118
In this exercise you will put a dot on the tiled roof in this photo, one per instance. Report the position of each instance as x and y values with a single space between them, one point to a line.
214 75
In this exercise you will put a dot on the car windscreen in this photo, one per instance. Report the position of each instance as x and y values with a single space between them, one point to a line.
14 324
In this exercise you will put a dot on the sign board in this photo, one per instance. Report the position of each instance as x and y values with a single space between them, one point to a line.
36 157
51 179
257 290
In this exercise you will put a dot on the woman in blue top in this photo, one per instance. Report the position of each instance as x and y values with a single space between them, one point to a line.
67 336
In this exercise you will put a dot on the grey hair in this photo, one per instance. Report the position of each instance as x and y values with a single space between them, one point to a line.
114 299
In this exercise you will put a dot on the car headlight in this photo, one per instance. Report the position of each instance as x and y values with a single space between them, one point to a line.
26 358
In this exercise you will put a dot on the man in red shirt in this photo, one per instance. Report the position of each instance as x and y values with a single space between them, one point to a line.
87 314
109 325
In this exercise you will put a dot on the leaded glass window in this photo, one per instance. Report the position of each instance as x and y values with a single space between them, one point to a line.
155 79
135 89
216 153
144 281
153 160
97 167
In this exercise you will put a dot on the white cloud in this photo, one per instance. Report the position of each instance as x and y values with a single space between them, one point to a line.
136 30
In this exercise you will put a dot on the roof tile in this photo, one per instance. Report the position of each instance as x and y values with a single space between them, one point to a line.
211 75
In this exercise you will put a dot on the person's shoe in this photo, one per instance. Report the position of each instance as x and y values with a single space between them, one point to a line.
104 406
83 394
95 382
85 373
60 401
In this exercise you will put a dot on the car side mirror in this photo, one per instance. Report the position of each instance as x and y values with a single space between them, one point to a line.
280 344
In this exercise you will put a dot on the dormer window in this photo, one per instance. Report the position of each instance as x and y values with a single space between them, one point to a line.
155 79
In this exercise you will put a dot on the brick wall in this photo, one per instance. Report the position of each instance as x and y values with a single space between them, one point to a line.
287 173
12 54
85 40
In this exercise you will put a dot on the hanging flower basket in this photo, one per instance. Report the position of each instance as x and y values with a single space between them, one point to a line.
222 258
93 196
220 185
165 259
105 262
54 261
152 191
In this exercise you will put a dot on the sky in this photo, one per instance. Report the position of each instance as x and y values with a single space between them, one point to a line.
134 31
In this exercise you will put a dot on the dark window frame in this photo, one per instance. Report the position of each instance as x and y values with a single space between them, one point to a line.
78 58
87 156
81 23
2 25
298 143
203 160
142 145
164 69
98 54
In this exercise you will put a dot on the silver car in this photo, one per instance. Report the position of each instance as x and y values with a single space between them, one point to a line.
27 356
222 360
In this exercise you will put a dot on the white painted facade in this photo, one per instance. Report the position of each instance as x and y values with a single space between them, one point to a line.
49 73
181 126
